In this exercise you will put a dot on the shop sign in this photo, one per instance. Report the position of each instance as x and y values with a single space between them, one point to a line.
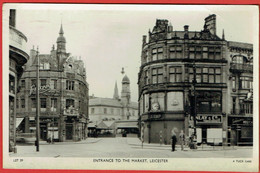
155 116
209 119
44 90
240 120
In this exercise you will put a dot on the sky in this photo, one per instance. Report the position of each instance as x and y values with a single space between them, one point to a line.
109 37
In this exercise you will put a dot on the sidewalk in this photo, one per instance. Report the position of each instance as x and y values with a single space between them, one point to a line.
136 143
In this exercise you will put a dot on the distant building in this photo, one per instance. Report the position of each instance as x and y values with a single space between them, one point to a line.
113 111
63 95
17 58
223 87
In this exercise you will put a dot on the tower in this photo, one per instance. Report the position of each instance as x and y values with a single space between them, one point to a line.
116 96
125 93
61 47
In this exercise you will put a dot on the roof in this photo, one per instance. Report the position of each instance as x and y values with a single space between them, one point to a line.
240 45
98 101
126 124
126 79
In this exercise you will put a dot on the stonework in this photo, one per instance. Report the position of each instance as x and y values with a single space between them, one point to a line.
169 62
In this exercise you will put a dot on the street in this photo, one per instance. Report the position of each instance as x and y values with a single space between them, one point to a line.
126 148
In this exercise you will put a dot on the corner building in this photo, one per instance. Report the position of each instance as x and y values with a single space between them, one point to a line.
18 56
169 61
63 95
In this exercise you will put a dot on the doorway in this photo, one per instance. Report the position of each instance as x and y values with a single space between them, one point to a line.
69 131
204 135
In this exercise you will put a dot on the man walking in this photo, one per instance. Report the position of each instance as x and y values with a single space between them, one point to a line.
174 140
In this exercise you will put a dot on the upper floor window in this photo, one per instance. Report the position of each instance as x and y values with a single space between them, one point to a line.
157 53
105 110
22 103
53 84
206 75
195 52
146 77
157 75
43 104
246 82
43 82
69 103
176 52
92 110
69 85
233 82
33 104
53 104
175 74
33 82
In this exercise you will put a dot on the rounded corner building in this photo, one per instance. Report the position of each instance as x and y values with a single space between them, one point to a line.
168 93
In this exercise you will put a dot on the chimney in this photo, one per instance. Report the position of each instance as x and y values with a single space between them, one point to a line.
210 23
12 17
186 31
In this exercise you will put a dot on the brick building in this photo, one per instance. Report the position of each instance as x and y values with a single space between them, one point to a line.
169 62
18 56
63 95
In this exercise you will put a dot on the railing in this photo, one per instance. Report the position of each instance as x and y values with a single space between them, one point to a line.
241 67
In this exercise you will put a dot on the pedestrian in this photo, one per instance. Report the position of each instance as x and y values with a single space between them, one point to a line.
174 140
182 139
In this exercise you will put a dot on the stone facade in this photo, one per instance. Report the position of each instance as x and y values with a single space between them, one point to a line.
17 58
63 94
169 62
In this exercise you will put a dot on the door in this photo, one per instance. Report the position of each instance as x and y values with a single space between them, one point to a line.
69 131
43 131
204 135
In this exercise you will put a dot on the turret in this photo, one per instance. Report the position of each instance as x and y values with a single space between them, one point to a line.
125 94
61 42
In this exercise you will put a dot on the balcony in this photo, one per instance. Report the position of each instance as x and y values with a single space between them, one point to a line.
235 67
17 46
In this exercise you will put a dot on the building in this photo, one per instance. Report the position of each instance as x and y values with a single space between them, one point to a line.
168 93
118 113
63 94
18 56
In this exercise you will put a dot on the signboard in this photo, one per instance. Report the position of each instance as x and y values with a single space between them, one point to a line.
44 90
240 121
208 119
155 116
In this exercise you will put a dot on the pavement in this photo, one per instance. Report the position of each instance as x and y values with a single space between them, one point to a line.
127 147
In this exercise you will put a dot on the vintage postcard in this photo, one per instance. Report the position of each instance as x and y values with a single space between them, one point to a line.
131 87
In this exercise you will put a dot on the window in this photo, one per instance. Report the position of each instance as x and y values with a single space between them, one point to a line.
33 104
246 83
23 83
92 110
209 102
195 52
53 104
205 53
46 66
175 52
146 77
33 82
157 75
246 108
53 84
43 104
175 74
69 85
157 53
43 82
234 105
105 110
69 103
17 103
22 103
206 75
11 84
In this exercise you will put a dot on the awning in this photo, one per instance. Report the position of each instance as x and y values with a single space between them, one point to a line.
126 125
19 121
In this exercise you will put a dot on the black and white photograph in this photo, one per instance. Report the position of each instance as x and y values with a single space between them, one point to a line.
131 87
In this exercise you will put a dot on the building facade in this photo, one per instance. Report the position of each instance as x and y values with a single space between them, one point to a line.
168 93
63 95
18 56
113 111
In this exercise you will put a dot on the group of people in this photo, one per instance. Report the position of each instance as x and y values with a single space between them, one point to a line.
182 140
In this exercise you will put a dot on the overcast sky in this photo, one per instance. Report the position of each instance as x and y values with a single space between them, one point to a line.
109 37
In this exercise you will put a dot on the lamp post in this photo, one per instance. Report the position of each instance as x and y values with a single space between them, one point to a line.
37 103
194 106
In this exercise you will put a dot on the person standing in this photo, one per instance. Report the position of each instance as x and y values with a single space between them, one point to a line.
174 140
182 139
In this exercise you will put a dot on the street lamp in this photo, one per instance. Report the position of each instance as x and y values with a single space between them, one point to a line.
37 103
194 106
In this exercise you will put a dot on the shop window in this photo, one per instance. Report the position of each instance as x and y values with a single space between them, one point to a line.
69 85
209 102
158 98
174 101
157 75
43 104
53 104
175 74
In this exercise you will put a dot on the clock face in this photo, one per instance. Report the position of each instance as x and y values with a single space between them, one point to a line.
155 106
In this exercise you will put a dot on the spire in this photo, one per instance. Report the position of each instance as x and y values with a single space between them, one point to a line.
116 96
61 31
223 35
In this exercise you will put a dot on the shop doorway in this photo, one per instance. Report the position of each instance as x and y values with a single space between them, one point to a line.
69 131
43 131
204 135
